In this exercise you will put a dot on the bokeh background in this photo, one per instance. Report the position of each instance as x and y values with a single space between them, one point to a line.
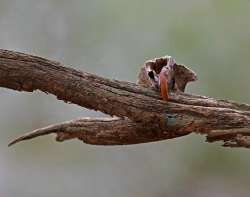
113 38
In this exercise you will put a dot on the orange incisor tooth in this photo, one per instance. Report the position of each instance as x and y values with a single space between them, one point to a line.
164 87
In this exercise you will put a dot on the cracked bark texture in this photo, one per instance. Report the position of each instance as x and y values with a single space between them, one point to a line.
143 116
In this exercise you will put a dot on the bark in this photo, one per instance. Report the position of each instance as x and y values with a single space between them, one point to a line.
144 117
101 131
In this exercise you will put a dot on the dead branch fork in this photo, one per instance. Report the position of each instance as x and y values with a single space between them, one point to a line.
144 117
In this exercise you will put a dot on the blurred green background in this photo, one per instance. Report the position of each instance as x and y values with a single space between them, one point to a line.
113 38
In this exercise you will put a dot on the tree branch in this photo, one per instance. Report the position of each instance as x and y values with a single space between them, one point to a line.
101 131
148 118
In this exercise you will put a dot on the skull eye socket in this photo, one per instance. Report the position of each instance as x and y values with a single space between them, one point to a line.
151 75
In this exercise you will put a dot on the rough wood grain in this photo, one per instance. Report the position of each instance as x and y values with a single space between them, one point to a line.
101 131
144 111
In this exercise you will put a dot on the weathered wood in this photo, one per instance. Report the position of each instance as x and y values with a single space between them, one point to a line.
101 131
183 114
